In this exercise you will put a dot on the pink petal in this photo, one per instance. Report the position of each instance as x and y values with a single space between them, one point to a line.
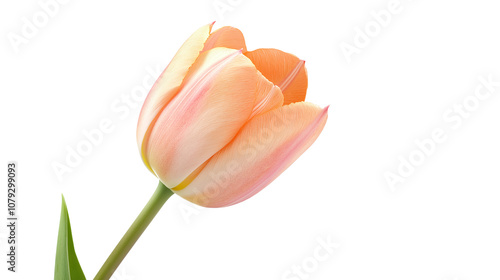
261 151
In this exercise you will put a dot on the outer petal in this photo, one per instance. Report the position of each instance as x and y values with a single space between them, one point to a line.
216 99
227 37
167 85
284 70
263 149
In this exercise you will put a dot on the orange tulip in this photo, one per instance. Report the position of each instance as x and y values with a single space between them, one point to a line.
221 123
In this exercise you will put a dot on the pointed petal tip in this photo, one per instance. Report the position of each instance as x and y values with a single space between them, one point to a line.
324 112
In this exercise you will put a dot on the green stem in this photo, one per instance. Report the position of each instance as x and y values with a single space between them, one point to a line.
160 196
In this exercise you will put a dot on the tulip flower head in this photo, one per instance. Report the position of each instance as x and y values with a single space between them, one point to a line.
221 123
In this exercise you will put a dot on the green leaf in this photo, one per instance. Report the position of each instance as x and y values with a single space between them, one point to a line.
67 265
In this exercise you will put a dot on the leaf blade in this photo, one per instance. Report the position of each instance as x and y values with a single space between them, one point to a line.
67 266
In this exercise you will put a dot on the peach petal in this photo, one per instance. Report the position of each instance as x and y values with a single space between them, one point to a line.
284 70
227 37
216 99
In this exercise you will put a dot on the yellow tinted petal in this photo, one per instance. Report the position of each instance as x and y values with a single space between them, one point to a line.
167 85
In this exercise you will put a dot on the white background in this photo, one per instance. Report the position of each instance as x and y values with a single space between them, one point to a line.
442 222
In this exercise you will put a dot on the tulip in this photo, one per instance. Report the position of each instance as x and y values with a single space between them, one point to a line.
221 123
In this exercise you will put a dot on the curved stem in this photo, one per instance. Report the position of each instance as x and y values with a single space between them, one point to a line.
160 196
